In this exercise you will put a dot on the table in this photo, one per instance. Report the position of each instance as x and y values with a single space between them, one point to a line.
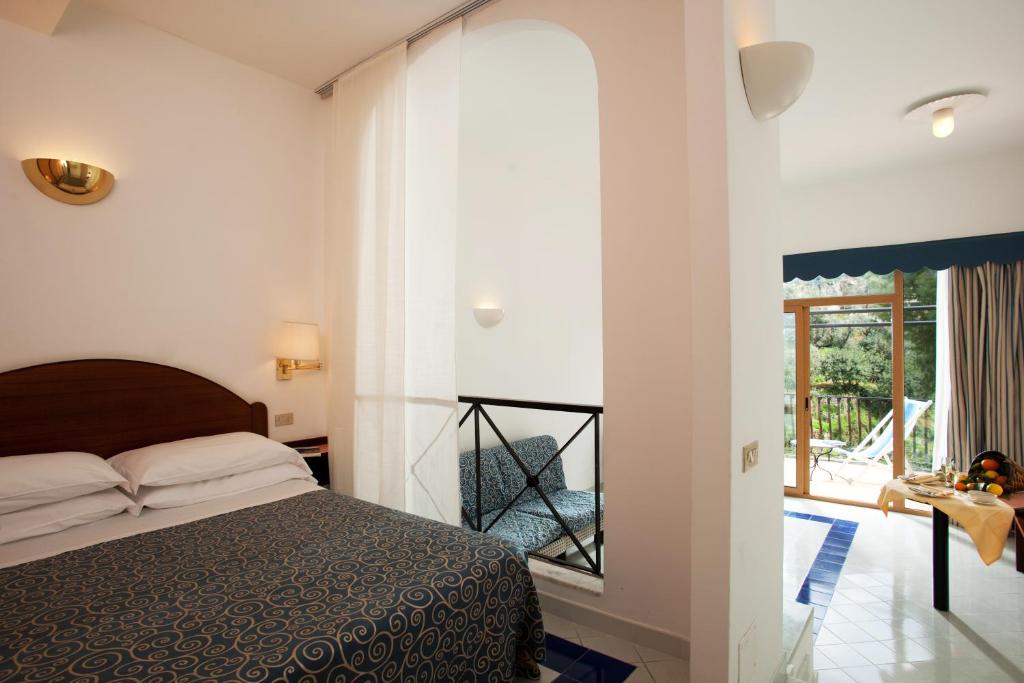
987 525
318 462
820 447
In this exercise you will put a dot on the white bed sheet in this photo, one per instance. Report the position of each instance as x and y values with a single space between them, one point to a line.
124 524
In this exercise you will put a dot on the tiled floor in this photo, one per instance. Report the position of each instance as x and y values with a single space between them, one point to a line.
579 653
819 585
880 625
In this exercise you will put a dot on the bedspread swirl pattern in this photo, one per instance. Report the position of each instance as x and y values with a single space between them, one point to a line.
318 587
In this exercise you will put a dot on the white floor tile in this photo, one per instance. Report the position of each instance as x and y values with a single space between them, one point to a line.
875 652
904 672
821 661
880 629
826 637
851 633
843 655
865 674
650 655
669 671
834 676
854 613
906 650
586 631
613 647
558 626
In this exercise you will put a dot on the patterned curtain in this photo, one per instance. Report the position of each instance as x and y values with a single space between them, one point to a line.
986 348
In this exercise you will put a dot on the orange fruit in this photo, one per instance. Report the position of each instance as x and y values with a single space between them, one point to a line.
989 464
960 486
995 489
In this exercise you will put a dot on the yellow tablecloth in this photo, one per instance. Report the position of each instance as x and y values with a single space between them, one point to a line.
987 525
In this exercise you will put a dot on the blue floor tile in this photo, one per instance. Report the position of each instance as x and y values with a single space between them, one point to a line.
561 653
819 586
595 667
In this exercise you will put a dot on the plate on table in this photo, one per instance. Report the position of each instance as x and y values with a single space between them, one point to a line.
982 497
929 492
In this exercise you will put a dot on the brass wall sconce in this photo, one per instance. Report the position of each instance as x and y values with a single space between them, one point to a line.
71 182
297 347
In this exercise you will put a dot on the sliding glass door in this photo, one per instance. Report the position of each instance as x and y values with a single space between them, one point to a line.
844 373
789 413
850 401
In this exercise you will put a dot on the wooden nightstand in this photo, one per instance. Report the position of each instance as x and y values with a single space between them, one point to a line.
318 462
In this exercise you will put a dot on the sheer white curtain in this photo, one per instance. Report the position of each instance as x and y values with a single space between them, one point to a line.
431 208
942 381
390 250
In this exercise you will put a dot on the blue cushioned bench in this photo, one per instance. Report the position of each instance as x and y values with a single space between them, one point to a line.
529 523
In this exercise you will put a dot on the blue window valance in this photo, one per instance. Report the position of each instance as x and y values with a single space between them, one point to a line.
908 258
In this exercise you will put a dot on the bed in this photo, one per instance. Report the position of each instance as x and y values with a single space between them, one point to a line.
288 583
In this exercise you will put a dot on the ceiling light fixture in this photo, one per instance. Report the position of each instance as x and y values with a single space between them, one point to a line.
941 110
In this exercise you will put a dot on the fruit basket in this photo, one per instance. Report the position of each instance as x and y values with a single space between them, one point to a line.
992 471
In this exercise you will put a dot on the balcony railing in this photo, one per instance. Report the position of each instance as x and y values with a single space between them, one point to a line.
851 418
574 537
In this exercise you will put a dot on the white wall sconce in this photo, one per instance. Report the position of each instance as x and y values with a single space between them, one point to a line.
775 75
940 110
297 347
488 316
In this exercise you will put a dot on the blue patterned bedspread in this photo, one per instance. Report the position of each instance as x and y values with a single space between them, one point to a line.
319 587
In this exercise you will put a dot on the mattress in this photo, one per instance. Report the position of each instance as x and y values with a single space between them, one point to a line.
310 586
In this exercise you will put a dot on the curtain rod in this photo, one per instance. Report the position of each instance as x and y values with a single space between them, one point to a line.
327 88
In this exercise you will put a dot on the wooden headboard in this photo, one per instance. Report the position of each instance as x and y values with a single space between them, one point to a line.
108 406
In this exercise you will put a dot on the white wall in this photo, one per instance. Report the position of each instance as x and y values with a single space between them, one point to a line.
755 255
645 299
734 165
529 235
894 205
208 239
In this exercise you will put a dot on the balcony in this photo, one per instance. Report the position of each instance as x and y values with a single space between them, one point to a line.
850 419
518 489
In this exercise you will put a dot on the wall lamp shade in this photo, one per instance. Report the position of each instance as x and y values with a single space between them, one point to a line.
297 347
775 75
70 182
488 316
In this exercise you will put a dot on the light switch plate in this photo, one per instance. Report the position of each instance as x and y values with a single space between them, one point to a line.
750 456
284 419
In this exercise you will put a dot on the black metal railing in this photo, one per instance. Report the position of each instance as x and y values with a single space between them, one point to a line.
477 410
851 418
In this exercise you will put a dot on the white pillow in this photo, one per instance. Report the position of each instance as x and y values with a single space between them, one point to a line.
46 519
178 495
40 478
199 459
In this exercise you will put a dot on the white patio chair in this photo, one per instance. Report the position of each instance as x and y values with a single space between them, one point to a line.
877 445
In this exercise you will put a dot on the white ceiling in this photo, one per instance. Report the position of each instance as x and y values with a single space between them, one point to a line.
305 41
873 58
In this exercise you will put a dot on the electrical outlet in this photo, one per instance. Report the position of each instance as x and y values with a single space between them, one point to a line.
750 456
284 419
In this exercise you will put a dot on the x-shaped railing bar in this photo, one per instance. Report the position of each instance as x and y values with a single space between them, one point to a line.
531 481
541 471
